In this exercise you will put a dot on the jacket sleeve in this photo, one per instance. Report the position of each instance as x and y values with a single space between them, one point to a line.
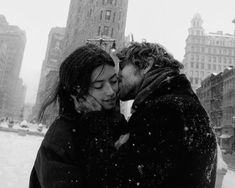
53 169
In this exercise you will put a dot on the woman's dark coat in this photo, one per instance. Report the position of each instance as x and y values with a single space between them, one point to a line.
76 152
171 142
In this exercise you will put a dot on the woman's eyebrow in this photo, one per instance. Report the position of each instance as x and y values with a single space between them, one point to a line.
99 81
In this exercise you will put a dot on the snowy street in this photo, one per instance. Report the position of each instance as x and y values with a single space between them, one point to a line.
17 155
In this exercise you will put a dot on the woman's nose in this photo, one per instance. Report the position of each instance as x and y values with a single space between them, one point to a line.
109 90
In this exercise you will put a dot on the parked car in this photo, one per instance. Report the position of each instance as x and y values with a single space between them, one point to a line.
10 123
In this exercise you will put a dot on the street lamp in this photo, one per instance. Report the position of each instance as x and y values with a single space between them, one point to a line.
103 43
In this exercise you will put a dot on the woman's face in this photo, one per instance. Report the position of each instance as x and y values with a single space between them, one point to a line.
104 86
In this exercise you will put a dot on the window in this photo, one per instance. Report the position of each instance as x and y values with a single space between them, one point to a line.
105 2
197 65
110 2
225 60
114 15
214 50
115 2
209 58
220 51
209 50
192 57
214 67
108 14
112 32
192 64
203 58
99 31
191 80
202 74
214 59
101 13
209 66
106 30
202 65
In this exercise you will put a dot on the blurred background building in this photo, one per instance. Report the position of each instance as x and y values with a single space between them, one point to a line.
12 89
49 71
206 53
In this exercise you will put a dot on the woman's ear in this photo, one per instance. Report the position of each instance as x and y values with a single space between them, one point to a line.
149 65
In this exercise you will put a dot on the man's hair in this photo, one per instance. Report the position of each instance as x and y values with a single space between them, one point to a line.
140 53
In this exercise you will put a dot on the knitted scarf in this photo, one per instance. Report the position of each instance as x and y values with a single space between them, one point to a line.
152 82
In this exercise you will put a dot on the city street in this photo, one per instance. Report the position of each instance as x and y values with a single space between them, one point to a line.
17 155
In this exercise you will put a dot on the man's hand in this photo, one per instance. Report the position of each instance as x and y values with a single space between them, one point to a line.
122 140
88 104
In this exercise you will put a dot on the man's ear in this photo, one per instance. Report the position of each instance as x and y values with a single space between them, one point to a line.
149 65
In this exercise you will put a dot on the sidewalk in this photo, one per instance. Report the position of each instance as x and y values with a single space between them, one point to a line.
21 131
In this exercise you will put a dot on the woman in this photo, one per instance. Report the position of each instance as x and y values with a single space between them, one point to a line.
78 147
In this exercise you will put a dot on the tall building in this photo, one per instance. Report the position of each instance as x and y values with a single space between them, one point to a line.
206 53
49 71
93 19
3 59
12 40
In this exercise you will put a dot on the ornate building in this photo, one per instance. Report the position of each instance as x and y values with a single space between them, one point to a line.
206 53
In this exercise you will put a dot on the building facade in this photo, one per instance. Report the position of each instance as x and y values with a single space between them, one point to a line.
206 53
217 94
49 71
12 45
93 19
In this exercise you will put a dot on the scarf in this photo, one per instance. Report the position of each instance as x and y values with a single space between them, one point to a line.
152 82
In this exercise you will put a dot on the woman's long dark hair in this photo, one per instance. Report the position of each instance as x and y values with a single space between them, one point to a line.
75 74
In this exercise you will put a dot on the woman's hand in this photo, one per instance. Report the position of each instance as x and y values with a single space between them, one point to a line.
87 104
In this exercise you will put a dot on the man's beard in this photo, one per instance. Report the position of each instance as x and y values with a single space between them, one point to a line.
127 92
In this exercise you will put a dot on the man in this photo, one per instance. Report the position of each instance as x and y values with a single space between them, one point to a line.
171 143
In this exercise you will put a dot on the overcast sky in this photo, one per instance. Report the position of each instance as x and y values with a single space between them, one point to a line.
163 21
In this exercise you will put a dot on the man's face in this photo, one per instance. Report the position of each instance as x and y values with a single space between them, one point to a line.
130 78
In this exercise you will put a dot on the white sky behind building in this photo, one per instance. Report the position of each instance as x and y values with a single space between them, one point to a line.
163 21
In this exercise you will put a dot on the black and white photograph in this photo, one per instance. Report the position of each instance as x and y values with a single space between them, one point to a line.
117 94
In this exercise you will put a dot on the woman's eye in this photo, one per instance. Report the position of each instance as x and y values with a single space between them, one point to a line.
113 81
97 86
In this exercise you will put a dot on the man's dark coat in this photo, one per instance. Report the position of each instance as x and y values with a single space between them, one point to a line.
171 142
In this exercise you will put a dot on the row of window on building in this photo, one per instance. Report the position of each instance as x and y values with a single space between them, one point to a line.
195 80
208 66
213 50
214 59
227 42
